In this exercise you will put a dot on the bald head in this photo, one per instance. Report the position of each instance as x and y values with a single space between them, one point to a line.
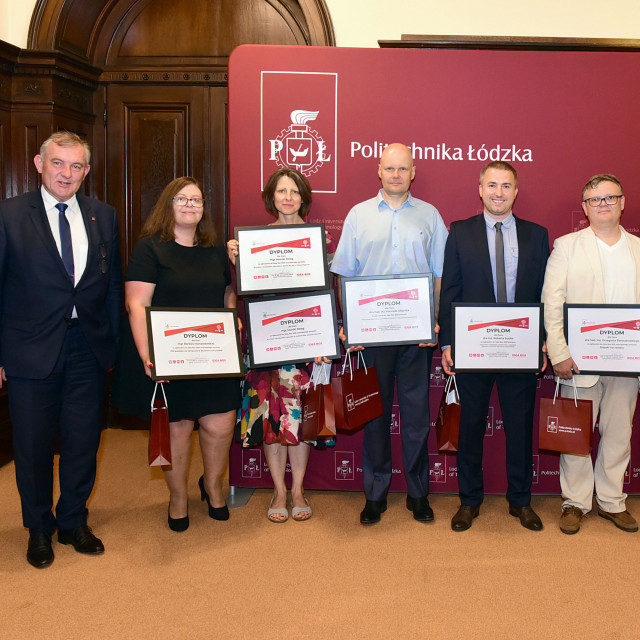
396 172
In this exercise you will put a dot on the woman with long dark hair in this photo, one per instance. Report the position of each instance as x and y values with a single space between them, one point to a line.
176 263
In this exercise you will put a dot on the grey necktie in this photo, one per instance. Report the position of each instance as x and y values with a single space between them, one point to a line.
501 280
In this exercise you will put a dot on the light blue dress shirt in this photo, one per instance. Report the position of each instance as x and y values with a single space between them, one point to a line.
378 240
510 238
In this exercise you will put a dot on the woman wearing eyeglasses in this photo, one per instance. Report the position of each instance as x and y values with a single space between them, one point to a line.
176 263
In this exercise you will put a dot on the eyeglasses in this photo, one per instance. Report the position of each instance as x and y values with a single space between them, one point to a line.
181 201
596 202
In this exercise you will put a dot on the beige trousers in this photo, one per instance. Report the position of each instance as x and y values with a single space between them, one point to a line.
614 399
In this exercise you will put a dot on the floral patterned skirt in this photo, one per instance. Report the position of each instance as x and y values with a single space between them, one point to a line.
271 410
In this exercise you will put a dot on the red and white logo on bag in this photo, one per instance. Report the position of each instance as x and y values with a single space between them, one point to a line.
344 465
552 424
351 405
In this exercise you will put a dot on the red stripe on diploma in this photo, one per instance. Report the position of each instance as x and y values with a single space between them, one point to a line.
207 328
518 323
302 243
632 325
409 294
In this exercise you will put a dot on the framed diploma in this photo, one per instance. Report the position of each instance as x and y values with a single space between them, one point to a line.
193 343
385 310
277 258
605 338
289 329
497 337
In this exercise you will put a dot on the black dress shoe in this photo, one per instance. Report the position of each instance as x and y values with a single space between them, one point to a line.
528 517
39 551
82 539
422 512
177 524
372 510
217 513
464 517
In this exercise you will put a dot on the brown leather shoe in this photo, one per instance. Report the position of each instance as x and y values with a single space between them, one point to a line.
623 520
529 519
570 520
464 517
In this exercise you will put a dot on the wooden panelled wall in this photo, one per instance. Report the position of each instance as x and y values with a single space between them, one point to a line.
145 81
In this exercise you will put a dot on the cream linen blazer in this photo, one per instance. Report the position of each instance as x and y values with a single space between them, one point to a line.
574 275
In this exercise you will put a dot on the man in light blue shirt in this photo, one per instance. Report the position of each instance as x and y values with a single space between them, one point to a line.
395 233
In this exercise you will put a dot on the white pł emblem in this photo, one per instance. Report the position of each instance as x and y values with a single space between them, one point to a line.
299 146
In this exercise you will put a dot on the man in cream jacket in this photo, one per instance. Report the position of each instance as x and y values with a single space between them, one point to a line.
597 265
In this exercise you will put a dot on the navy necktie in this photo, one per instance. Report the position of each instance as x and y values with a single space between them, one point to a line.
66 246
500 272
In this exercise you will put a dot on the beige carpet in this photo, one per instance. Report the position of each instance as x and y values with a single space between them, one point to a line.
327 578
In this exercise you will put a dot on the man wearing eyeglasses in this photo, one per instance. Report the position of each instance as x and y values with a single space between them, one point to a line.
597 265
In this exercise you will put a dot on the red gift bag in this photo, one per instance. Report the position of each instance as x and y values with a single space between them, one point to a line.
159 435
566 424
318 413
448 420
356 395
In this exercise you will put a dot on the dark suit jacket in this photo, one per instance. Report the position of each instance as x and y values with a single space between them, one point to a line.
467 273
36 294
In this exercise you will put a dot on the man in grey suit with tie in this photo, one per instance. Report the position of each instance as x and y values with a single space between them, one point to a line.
60 303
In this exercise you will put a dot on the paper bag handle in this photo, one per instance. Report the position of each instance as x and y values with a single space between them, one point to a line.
166 404
575 391
360 358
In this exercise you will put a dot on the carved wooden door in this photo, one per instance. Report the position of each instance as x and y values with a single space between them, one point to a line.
156 134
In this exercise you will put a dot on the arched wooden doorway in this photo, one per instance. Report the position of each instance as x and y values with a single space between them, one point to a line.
160 106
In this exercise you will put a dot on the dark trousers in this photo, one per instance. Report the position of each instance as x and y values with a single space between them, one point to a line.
517 392
410 367
69 401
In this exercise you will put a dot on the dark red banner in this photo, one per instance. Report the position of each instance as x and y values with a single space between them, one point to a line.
331 111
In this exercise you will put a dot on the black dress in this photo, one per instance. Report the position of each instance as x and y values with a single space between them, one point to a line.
184 277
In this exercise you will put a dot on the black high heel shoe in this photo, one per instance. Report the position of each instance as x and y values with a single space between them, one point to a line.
177 524
217 513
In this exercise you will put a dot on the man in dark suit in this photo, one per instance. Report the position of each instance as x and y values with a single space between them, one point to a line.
60 297
493 257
